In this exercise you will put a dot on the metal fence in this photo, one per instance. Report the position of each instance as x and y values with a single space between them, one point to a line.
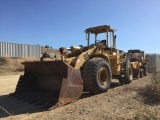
19 50
153 62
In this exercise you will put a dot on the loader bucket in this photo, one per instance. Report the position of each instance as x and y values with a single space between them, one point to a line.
54 82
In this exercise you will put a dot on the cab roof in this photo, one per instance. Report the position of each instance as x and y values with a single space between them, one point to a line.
135 51
99 29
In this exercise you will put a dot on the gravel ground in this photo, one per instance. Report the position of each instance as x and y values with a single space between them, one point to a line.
120 102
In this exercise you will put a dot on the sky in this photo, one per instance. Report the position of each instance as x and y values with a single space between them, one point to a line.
61 23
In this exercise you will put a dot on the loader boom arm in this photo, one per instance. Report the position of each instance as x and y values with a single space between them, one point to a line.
82 58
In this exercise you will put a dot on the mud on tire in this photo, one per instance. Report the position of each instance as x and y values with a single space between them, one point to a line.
96 75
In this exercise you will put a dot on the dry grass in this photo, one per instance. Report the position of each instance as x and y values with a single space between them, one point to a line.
148 98
50 50
4 61
151 93
8 64
153 89
12 64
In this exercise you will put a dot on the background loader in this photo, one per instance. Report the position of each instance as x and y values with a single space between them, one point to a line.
138 62
83 68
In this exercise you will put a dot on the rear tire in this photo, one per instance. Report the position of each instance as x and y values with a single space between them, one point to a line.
141 73
128 72
121 80
145 71
136 73
96 75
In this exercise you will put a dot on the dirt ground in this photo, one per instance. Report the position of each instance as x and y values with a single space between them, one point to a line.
120 102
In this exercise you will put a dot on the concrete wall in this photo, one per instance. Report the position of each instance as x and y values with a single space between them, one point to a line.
153 62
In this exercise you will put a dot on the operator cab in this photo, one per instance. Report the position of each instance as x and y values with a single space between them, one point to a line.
108 42
136 55
105 30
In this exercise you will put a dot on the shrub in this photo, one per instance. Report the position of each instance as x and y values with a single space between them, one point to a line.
4 60
151 92
46 46
19 68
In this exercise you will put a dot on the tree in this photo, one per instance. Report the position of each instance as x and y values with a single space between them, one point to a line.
46 46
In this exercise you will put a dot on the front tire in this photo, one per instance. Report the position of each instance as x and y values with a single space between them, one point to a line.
96 75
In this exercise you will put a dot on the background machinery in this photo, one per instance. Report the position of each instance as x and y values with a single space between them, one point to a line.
139 64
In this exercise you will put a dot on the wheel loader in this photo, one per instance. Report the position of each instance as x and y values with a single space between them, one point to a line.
87 68
138 62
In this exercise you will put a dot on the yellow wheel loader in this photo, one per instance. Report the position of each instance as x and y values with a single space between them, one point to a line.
138 62
83 68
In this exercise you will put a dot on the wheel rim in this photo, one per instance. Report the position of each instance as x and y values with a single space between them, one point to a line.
103 76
